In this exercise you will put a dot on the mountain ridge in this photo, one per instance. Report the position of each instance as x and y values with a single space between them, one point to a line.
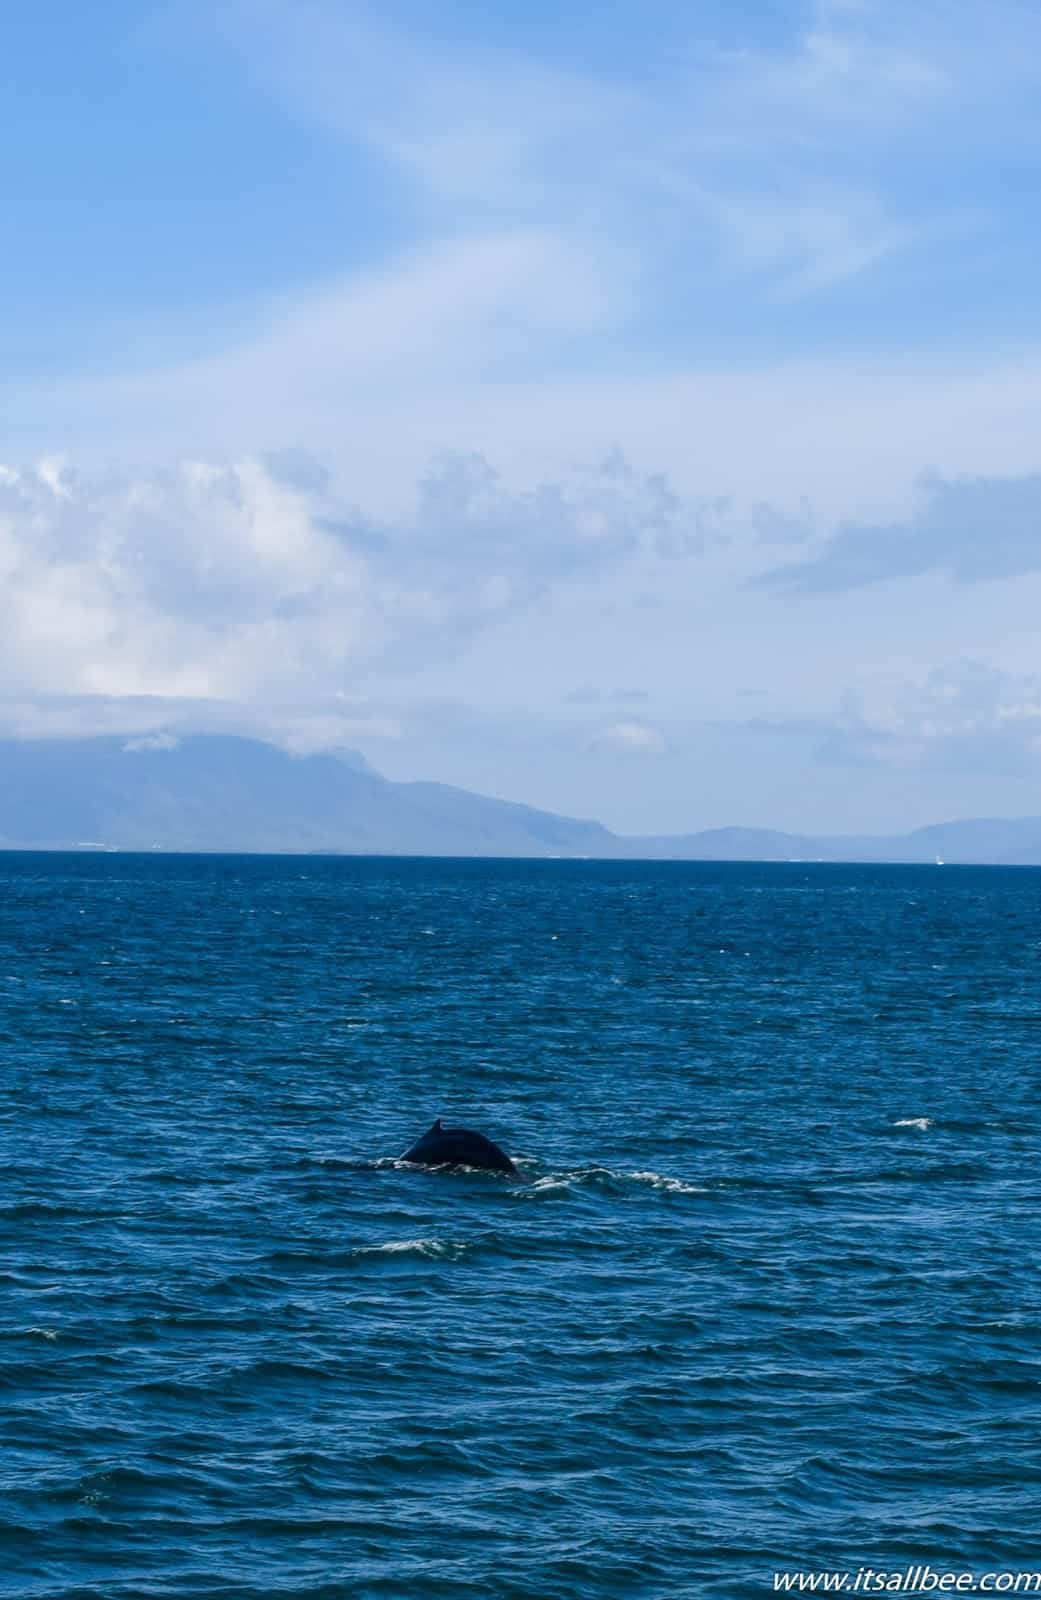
227 793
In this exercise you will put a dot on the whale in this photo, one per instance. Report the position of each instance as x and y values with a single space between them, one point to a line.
457 1147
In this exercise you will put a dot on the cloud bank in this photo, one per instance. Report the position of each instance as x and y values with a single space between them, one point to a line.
253 583
978 529
695 356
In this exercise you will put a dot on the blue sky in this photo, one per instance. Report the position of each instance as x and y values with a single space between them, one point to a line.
633 411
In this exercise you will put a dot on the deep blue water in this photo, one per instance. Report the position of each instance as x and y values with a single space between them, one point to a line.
767 1298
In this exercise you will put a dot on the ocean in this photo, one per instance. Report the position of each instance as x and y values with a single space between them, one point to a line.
765 1297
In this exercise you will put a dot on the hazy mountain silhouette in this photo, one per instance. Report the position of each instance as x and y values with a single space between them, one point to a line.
213 792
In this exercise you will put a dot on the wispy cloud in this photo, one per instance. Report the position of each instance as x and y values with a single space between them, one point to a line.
965 716
250 582
554 229
973 530
600 346
630 738
745 152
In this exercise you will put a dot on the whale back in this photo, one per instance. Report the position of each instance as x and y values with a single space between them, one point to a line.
457 1147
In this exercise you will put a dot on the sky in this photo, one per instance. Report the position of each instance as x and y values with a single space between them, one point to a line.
633 410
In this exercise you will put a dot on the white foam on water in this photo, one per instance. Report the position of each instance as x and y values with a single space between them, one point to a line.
913 1122
551 1185
416 1247
658 1180
557 1182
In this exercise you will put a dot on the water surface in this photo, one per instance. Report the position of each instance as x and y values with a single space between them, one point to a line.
767 1296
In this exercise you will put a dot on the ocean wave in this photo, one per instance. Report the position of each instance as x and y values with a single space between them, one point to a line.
324 1256
398 1164
610 1181
660 1180
274 1360
433 1249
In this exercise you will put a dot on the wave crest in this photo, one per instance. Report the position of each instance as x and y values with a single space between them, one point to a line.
432 1249
607 1180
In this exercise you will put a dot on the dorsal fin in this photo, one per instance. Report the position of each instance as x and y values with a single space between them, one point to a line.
437 1126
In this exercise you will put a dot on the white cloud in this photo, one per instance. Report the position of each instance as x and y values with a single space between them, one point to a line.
812 239
152 741
465 126
570 267
851 68
963 716
372 366
246 584
807 163
583 258
976 529
207 581
631 738
310 730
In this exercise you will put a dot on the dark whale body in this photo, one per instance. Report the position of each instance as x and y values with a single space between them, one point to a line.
458 1147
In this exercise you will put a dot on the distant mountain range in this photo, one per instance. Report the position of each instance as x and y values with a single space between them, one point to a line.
210 792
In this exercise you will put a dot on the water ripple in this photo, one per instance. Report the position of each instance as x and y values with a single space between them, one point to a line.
763 1294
